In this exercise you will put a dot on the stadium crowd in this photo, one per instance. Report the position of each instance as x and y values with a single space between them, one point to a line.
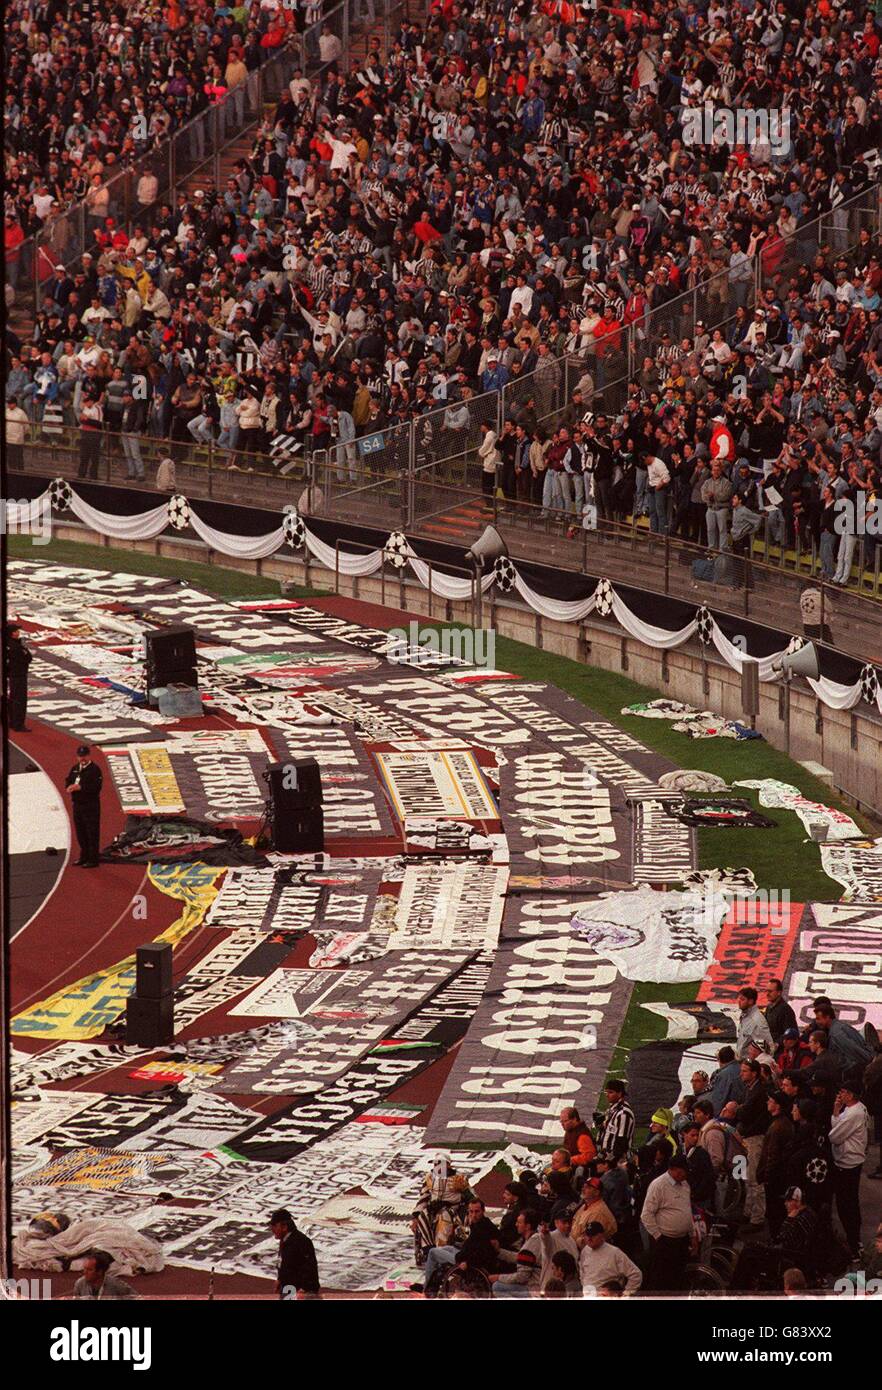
92 85
736 1191
510 190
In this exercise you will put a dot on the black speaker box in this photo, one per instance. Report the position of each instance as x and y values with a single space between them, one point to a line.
150 1022
153 970
299 832
171 656
295 785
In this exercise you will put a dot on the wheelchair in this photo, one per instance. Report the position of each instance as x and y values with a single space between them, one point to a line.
712 1272
464 1283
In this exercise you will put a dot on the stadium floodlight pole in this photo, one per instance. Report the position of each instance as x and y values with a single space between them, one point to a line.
5 937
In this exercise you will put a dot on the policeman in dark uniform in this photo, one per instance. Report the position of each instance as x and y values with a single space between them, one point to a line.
84 782
18 659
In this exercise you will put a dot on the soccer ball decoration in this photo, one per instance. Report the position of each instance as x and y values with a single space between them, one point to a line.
60 494
396 550
178 512
603 598
504 574
705 621
869 684
294 530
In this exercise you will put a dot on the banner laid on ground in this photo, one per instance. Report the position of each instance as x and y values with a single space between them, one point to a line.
85 1009
437 783
838 954
542 1037
663 937
754 945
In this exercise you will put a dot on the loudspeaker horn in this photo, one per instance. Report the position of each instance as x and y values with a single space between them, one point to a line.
802 663
489 546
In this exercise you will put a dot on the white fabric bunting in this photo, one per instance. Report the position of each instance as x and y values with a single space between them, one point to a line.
356 565
446 585
146 526
558 610
242 547
150 524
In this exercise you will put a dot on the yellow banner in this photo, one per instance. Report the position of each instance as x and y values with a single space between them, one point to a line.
84 1009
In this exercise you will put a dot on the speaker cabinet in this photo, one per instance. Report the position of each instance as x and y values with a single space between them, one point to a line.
299 832
150 1022
295 785
171 656
153 970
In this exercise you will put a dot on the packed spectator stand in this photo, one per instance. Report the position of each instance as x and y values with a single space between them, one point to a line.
487 247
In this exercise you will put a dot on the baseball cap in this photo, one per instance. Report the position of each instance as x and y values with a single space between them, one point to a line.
793 1194
83 750
791 1033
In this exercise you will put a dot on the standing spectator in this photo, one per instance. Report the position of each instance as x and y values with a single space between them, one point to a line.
297 1276
667 1219
752 1026
772 1166
752 1119
91 423
779 1015
18 659
489 455
849 1138
16 433
602 1265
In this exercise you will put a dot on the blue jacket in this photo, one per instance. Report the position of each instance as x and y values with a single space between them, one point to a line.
727 1085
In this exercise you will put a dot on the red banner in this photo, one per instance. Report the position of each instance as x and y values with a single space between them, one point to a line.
755 942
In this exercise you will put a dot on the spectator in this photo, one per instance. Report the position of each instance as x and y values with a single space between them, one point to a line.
600 1263
297 1276
849 1137
667 1219
524 1281
96 1281
752 1026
